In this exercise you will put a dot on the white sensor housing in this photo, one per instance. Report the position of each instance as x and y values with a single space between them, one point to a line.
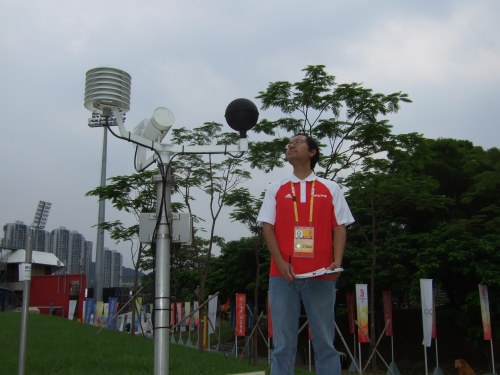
107 88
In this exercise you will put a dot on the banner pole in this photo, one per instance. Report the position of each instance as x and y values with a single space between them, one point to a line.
309 355
492 356
437 360
347 348
269 350
360 363
354 345
425 357
392 347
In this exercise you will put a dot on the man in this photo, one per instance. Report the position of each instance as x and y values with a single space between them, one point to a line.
317 208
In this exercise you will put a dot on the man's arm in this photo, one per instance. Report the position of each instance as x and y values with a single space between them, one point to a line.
285 268
339 239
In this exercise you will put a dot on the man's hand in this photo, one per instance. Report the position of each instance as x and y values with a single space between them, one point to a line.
333 266
286 271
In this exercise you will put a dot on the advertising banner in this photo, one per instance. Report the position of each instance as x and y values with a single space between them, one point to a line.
241 302
179 311
187 308
427 310
106 313
138 307
113 305
71 310
196 315
183 316
485 311
434 334
172 314
212 313
387 299
269 318
362 310
351 307
89 308
99 314
83 310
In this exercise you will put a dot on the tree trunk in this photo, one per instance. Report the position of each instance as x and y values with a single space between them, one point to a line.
373 339
201 327
134 291
256 303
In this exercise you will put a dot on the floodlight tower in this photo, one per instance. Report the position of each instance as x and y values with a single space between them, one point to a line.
105 88
41 216
241 115
40 220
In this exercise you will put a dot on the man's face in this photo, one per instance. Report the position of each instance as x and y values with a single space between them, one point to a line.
298 150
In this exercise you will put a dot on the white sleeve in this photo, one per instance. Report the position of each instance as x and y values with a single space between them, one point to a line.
267 213
342 212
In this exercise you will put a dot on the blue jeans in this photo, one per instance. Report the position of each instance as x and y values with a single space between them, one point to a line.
318 297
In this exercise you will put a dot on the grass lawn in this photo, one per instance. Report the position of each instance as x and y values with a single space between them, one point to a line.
59 346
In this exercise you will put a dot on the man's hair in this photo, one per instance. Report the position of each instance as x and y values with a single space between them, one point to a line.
312 145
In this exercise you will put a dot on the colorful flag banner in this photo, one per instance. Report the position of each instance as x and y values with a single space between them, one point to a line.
212 313
196 315
485 311
387 299
270 332
99 314
240 314
106 313
172 314
187 307
427 310
113 306
362 310
145 313
183 316
89 308
434 334
71 310
351 307
179 311
84 305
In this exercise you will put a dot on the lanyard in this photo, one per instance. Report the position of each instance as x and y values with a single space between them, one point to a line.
310 207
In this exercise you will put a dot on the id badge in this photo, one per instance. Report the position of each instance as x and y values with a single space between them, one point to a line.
303 242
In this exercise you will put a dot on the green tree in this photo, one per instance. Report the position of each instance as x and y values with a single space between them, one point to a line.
344 117
484 194
133 194
246 211
215 179
381 187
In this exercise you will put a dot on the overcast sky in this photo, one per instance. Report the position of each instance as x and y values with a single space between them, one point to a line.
194 57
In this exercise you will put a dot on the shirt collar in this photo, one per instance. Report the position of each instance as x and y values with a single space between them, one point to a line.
311 177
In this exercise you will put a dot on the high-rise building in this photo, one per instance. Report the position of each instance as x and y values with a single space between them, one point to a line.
76 252
113 262
116 268
87 259
15 235
59 245
41 239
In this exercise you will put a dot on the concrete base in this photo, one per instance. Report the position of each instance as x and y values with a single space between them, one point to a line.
394 369
352 367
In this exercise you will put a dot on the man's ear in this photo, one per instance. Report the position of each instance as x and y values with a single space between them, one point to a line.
312 152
